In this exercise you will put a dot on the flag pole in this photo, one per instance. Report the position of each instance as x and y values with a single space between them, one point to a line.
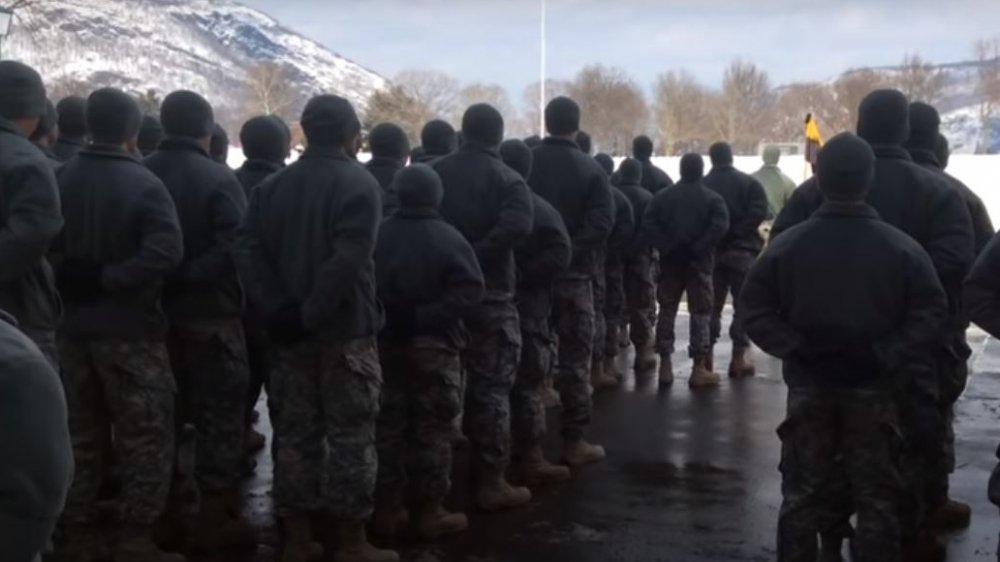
541 82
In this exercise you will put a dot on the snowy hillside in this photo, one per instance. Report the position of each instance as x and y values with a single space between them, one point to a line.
203 45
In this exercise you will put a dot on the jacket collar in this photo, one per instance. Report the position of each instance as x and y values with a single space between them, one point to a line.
382 161
471 146
556 141
101 150
262 165
890 152
330 152
183 143
924 157
417 213
836 209
8 126
72 141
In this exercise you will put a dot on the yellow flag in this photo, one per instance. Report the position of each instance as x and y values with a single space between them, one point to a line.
814 141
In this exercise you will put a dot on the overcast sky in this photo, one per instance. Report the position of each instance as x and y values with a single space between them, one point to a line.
497 41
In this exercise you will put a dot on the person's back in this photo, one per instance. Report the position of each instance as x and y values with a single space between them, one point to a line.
745 199
72 127
686 221
47 133
390 148
777 186
266 145
653 178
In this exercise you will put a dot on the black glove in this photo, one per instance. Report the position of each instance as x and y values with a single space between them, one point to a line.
285 326
79 280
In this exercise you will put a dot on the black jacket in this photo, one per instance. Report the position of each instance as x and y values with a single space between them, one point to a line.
576 186
66 148
914 200
746 202
546 253
29 219
428 276
844 299
489 203
308 239
685 222
253 172
119 215
982 226
623 232
653 178
982 289
384 169
210 204
639 198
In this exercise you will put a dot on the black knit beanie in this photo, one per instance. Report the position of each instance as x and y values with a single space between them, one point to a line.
47 123
630 171
22 92
438 138
845 168
388 140
187 114
113 117
416 153
642 147
418 186
482 124
562 116
584 141
942 150
150 135
517 155
263 138
884 118
218 147
606 162
925 122
329 120
72 116
693 167
721 154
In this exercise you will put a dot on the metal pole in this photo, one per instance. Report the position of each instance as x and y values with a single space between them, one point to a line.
541 82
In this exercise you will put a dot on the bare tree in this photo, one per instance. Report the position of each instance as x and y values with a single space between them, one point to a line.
850 89
679 112
532 115
920 80
270 90
394 105
797 100
65 86
744 106
987 53
436 91
494 95
612 107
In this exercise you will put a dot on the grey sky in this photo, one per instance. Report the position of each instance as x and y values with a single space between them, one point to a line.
496 41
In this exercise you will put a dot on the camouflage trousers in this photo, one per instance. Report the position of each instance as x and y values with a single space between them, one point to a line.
120 395
829 432
614 306
210 362
573 319
258 360
328 392
490 362
640 297
421 395
695 279
600 284
731 268
528 423
925 463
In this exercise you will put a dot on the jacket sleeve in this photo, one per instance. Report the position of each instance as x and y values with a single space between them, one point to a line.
599 216
925 318
229 204
514 224
353 231
800 206
718 225
665 180
161 246
652 230
950 242
463 289
982 289
761 304
34 218
982 226
755 201
551 256
253 261
624 227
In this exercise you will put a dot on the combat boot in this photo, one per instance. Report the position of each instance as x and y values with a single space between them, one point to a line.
666 370
611 369
598 378
928 547
218 528
710 359
298 539
551 398
136 545
702 376
536 469
741 366
578 452
495 493
354 546
389 519
645 358
830 549
951 516
435 521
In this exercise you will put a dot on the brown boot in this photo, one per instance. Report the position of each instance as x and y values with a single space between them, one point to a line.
354 546
830 549
701 375
666 370
551 398
952 516
495 493
578 452
645 358
710 359
598 378
928 547
611 369
435 522
741 366
388 520
537 470
298 539
136 545
217 528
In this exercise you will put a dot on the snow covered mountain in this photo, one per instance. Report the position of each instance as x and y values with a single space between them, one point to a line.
202 45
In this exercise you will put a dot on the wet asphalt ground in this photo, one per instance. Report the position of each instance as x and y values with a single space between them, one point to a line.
690 477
